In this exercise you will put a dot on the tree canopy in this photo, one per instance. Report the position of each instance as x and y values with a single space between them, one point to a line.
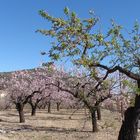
86 45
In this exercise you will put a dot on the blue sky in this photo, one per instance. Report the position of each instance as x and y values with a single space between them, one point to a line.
20 46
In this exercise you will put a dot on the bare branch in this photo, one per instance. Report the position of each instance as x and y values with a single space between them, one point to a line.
120 69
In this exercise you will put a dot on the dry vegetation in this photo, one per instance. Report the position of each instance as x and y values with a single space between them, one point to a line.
58 126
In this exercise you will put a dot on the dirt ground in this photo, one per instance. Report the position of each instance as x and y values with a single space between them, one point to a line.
58 126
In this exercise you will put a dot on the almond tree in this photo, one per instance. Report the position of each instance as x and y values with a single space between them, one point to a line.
38 79
37 98
18 92
88 91
28 87
115 50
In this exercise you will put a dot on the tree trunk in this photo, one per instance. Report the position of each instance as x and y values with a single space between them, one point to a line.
58 106
98 112
33 113
49 107
20 107
129 126
94 120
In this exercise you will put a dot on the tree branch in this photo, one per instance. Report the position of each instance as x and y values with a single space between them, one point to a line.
120 69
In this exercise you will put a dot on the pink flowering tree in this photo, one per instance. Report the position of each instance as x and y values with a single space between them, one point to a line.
39 78
89 91
28 87
18 91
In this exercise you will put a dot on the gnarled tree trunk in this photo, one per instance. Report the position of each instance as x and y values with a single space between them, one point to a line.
49 107
34 107
19 107
98 112
58 106
129 126
94 120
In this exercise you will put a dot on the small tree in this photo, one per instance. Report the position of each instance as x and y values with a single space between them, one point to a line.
18 92
39 77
